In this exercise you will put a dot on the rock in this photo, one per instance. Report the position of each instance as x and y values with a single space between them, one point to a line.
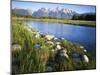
49 68
58 47
81 47
49 37
29 29
34 32
85 50
85 58
29 26
56 39
57 43
37 35
42 35
52 50
63 51
50 42
16 47
76 57
64 55
37 46
62 39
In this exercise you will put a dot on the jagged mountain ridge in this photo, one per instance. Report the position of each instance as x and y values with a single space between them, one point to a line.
56 13
43 12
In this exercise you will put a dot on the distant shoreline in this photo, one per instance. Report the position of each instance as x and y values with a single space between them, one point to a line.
64 21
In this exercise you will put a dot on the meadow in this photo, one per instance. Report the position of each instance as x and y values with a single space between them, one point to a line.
61 20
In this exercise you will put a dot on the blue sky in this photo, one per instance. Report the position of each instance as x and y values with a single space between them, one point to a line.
35 6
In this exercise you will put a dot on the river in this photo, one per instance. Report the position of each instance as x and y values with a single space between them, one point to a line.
85 36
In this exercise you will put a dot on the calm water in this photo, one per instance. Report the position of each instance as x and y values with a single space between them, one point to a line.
85 36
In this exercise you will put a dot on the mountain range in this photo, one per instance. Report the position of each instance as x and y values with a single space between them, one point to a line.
56 13
44 12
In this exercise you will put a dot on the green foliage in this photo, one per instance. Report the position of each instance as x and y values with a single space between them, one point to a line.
30 59
87 16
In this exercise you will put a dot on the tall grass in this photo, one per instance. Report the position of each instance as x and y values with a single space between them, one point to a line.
28 59
31 60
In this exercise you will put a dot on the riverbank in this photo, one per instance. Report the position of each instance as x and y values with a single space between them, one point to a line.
64 21
33 52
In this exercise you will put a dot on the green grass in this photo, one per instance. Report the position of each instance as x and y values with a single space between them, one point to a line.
64 21
28 59
32 60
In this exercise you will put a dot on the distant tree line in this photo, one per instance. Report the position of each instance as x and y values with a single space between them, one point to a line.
24 16
85 16
88 16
